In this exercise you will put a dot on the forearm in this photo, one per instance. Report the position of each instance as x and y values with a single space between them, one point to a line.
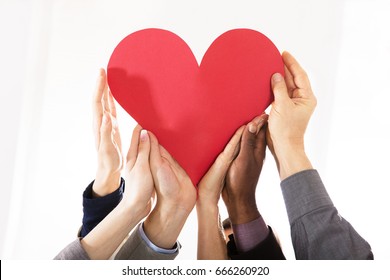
211 240
164 225
106 237
97 208
291 159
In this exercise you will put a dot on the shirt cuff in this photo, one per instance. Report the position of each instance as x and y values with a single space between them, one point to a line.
304 192
154 247
247 236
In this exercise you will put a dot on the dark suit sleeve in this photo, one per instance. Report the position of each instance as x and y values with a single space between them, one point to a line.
268 249
97 208
318 231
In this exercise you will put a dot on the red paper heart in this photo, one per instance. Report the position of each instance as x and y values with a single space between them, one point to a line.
193 110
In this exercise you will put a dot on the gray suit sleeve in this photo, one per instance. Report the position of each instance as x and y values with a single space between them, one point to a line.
74 251
135 248
318 231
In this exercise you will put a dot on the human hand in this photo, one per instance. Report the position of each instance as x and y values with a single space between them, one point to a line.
211 239
139 190
105 238
243 174
107 139
290 114
210 186
176 196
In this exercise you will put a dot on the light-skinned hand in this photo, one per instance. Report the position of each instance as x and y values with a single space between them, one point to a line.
139 184
136 204
176 197
107 139
211 239
290 114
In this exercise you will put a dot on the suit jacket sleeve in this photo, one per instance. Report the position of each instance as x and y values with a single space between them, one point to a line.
97 208
74 251
268 249
135 248
317 229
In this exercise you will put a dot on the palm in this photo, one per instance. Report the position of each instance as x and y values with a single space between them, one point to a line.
173 186
110 154
139 189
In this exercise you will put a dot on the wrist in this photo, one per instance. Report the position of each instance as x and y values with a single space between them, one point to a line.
105 183
128 213
291 159
206 202
243 214
285 145
210 210
164 225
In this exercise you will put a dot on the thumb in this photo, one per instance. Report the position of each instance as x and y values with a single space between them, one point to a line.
231 150
106 129
217 172
252 138
143 148
279 88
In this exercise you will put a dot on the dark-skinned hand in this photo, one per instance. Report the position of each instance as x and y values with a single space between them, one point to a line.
243 174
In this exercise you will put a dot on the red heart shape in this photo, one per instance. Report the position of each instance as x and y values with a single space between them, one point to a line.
193 110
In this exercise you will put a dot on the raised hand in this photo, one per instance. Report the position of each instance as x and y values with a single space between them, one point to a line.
239 192
139 190
176 196
211 240
107 139
105 238
290 114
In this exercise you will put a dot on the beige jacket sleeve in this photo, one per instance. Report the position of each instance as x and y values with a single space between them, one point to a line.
74 251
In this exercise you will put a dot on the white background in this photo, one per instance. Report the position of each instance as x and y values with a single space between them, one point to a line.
50 52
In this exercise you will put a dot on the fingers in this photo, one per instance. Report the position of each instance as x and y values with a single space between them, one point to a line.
289 79
279 88
106 103
159 154
116 134
261 142
97 106
179 171
143 148
133 150
216 174
253 138
231 149
299 75
155 156
295 84
111 104
255 125
106 130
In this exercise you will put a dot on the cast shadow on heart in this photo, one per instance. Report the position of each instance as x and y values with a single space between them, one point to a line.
141 103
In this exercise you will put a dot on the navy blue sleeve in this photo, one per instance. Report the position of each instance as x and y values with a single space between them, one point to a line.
97 208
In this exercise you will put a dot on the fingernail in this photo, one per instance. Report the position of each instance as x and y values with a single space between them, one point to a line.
144 135
252 128
264 117
277 77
